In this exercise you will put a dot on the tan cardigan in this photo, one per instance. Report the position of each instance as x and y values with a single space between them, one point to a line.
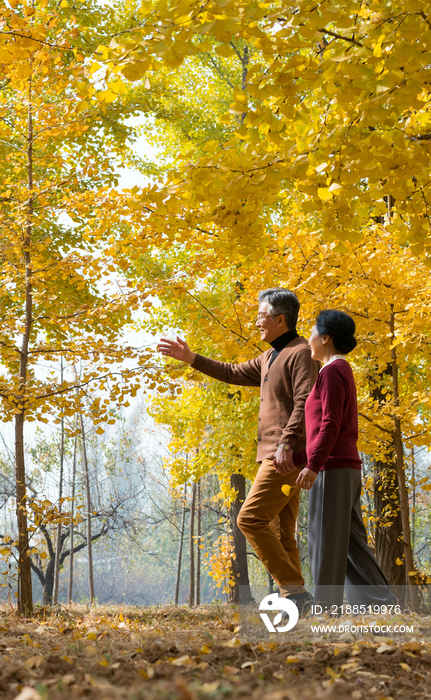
283 391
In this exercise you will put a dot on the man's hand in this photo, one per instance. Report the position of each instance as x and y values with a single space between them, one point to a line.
178 349
306 479
283 461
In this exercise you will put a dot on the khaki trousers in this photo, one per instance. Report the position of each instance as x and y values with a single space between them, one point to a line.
267 519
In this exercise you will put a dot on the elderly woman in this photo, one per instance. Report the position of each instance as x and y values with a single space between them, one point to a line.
337 539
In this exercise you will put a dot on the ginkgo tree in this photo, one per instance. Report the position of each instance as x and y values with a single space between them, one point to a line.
335 102
386 290
336 121
60 293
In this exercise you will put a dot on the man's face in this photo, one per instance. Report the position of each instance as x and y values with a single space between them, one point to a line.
271 327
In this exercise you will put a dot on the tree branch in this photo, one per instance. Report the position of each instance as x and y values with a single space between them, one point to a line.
384 430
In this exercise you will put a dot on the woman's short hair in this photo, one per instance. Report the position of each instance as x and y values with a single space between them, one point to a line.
282 301
340 326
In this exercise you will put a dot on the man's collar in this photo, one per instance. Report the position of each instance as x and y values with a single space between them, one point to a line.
283 340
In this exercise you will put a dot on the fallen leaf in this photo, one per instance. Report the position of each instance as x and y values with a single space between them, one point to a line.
384 640
99 683
347 636
150 671
349 665
147 673
33 662
203 665
68 679
232 670
411 646
28 694
210 687
234 642
183 661
68 659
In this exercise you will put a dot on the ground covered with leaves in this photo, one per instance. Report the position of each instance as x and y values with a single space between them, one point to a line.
181 654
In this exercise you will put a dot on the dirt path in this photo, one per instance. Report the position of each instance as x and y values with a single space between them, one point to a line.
177 654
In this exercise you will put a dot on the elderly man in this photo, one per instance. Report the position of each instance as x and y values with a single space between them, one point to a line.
285 374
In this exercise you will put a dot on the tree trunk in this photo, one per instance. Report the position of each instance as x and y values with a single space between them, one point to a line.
244 61
240 592
89 507
72 512
180 548
25 595
48 586
192 548
60 496
404 503
413 499
198 542
388 526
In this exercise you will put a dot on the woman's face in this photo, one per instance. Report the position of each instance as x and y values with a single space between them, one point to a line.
318 344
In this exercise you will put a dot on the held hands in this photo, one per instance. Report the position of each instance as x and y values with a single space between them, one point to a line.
306 479
283 461
178 349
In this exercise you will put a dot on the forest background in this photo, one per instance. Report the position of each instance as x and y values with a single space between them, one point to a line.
287 144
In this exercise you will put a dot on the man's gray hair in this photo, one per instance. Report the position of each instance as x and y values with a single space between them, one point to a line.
282 301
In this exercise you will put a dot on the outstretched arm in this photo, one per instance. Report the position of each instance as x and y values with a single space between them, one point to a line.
178 349
244 374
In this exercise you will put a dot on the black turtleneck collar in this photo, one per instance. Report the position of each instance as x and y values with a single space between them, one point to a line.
279 343
282 340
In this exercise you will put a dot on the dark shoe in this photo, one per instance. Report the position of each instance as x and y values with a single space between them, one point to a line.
303 602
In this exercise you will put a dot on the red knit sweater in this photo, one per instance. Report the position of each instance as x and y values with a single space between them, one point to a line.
331 421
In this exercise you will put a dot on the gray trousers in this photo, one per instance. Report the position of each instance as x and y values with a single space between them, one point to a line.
337 543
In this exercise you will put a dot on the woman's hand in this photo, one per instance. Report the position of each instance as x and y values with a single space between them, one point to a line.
178 349
306 479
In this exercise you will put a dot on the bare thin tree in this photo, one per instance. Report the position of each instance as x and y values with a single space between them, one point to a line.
72 513
180 547
89 512
192 548
60 497
198 542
